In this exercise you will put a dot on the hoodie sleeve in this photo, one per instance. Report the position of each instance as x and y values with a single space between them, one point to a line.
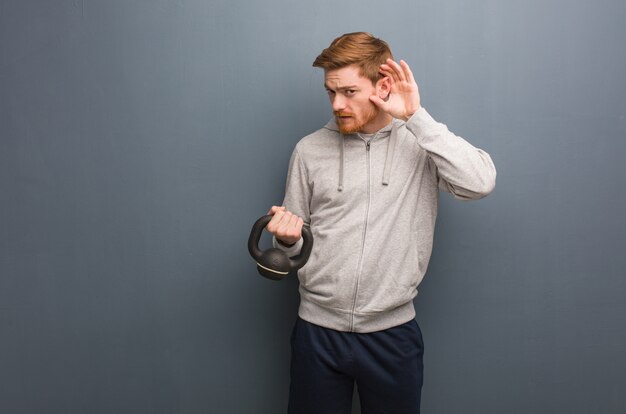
465 171
297 198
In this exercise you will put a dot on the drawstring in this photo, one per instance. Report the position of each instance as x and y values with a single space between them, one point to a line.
388 159
341 150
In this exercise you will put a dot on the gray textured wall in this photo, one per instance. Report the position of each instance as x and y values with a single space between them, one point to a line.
139 141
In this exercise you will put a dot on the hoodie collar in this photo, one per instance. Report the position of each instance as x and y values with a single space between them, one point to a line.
390 130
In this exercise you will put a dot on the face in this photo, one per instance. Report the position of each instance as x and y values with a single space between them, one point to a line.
349 94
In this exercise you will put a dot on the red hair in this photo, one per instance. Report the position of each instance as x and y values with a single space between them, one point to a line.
358 48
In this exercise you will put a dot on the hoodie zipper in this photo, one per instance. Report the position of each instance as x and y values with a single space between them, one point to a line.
367 213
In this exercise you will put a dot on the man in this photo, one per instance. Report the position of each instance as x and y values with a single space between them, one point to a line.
367 186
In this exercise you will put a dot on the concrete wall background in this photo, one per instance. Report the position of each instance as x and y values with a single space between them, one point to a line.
139 141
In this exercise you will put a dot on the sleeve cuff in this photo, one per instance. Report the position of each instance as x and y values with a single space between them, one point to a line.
420 123
291 250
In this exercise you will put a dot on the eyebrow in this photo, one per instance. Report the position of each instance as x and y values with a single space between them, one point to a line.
342 87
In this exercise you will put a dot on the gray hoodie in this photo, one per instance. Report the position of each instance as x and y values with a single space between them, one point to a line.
371 206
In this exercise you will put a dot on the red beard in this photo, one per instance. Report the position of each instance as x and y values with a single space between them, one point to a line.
355 126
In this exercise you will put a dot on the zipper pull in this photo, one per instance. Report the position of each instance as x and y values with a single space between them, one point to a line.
368 145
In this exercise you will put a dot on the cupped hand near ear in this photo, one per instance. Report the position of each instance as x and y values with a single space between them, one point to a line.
404 97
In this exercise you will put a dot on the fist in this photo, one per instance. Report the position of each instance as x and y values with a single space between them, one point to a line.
284 225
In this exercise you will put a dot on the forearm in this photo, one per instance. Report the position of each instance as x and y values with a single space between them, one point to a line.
467 172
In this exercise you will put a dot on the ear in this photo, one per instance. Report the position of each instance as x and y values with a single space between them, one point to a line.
383 88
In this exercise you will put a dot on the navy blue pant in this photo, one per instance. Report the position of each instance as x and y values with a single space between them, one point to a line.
386 366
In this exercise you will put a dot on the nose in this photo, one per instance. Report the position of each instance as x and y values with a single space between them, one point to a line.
338 102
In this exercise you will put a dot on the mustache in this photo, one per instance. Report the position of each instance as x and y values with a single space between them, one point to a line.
342 114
